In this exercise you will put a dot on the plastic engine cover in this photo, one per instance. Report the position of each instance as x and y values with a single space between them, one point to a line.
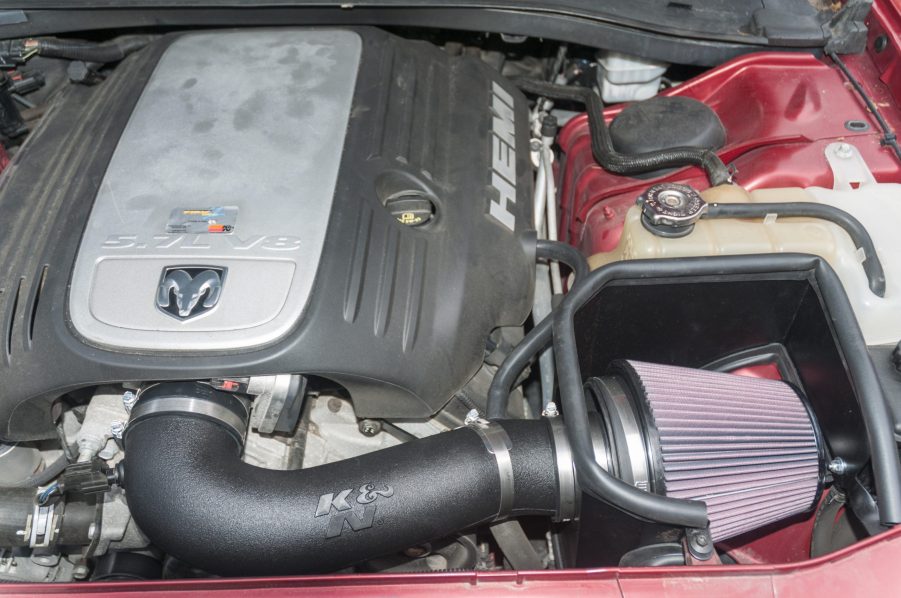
334 202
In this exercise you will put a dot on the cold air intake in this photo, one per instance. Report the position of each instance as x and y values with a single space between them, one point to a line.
748 448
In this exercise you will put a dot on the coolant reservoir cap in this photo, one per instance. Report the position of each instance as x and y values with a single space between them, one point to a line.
671 209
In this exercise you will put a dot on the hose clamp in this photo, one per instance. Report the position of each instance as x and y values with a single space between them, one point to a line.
41 527
625 434
197 400
498 444
566 472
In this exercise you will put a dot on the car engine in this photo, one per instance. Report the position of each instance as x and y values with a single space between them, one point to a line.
301 300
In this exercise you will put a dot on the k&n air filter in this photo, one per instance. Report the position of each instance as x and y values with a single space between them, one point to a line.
747 447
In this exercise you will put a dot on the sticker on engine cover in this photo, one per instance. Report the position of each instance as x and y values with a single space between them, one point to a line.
196 221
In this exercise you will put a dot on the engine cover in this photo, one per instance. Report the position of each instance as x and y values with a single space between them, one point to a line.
228 165
335 202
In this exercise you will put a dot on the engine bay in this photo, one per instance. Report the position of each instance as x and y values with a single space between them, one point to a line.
348 299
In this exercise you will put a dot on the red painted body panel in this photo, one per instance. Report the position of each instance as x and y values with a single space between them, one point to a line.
780 111
869 568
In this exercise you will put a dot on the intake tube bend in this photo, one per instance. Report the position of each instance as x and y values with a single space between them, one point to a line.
191 494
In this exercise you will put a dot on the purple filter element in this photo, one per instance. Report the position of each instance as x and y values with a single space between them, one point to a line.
745 446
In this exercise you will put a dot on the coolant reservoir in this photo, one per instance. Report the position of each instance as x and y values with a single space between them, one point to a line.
876 205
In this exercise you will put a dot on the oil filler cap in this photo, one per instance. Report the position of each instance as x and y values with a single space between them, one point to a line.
410 208
671 210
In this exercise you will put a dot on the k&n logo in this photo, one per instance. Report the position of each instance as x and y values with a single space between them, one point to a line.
355 508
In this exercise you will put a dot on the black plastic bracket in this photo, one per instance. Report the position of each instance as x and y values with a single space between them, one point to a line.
846 31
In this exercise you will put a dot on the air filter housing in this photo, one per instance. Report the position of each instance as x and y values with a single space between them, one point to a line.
748 447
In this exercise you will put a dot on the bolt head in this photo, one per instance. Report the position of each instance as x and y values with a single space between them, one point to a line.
844 151
837 466
370 427
128 400
550 410
117 429
471 417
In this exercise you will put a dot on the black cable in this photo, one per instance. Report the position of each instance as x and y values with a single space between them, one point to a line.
888 136
858 233
537 338
107 52
602 146
70 453
564 253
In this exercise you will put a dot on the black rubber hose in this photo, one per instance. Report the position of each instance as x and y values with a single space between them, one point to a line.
45 476
509 371
858 233
602 145
191 494
107 52
564 253
538 338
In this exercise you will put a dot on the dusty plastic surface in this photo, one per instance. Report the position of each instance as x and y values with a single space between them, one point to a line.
625 78
876 205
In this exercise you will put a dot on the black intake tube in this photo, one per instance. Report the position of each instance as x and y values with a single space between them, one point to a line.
16 504
195 499
602 146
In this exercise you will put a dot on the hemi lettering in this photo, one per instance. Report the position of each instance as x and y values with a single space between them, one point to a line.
503 157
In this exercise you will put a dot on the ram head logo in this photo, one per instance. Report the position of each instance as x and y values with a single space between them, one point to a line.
189 291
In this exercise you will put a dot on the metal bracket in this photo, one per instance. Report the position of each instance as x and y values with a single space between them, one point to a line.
278 402
849 169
